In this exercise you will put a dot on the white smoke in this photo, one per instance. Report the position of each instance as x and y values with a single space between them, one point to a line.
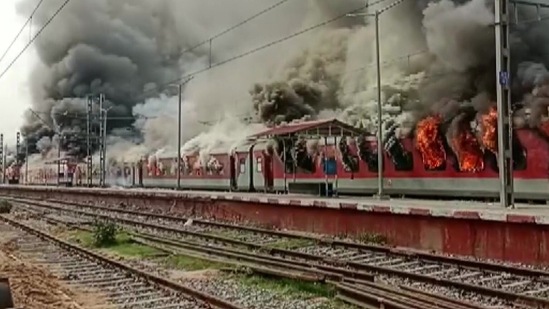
431 52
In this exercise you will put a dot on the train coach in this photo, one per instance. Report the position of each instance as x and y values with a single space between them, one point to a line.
344 162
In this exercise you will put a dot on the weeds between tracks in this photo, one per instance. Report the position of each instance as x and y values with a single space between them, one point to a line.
383 260
237 279
5 207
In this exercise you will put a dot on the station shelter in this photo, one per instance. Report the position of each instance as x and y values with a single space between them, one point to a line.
303 147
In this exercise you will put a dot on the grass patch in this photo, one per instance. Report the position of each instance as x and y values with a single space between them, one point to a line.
190 263
296 288
372 238
289 286
122 245
5 207
226 233
292 243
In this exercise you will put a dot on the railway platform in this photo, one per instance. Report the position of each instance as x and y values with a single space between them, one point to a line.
465 228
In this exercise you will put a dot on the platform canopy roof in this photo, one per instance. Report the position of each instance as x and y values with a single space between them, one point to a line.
65 160
317 129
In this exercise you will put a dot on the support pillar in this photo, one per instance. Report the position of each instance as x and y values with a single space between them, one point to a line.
2 158
88 142
102 131
505 133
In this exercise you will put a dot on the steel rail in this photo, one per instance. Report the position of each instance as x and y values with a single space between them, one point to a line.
209 299
520 271
423 301
509 296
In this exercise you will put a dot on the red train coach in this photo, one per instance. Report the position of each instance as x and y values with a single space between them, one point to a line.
324 157
297 157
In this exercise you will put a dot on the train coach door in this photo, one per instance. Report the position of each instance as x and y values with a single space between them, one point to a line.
232 163
133 169
268 172
140 167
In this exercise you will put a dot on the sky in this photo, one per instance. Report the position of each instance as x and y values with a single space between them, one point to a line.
14 87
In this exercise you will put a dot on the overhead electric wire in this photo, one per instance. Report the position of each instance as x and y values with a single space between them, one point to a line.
260 48
35 36
247 20
21 31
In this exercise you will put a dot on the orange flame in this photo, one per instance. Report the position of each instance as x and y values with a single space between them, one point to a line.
429 142
468 150
489 134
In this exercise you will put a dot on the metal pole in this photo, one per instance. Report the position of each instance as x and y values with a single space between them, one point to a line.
27 162
4 160
380 153
179 138
17 158
17 148
505 133
88 141
105 147
101 145
2 156
58 159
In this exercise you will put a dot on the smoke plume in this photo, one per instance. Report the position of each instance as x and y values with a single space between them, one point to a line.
437 57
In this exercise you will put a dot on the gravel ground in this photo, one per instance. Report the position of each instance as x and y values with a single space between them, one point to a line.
260 293
274 238
323 251
249 292
231 288
33 287
489 302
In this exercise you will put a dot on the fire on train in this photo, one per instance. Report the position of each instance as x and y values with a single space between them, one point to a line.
326 157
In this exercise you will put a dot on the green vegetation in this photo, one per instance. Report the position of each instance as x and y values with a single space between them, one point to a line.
190 263
5 207
296 288
291 243
289 286
122 244
372 238
104 233
226 233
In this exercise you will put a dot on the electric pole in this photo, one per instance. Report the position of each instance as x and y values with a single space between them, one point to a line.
17 169
89 163
58 158
102 133
4 163
505 130
179 125
2 157
179 135
380 149
26 162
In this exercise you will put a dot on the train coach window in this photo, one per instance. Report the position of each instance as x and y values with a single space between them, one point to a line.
242 166
259 165
350 164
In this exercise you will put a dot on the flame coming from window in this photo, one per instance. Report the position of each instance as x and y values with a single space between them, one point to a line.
489 133
429 142
468 151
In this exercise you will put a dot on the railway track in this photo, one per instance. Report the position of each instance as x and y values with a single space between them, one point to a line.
367 295
120 285
359 293
501 284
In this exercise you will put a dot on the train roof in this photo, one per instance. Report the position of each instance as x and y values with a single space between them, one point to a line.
63 160
317 128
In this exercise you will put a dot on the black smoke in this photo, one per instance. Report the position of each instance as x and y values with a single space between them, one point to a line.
126 49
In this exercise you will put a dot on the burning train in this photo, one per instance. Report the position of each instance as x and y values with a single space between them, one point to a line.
454 158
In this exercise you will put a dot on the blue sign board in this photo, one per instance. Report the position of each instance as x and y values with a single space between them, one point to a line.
504 78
